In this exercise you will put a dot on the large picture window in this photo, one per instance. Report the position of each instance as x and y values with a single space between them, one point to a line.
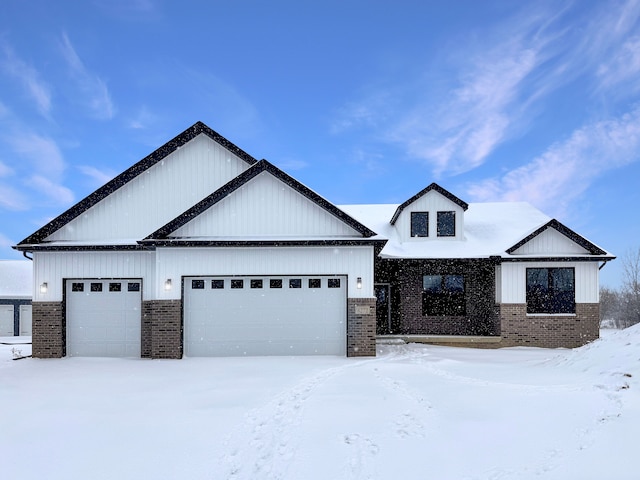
443 295
419 224
551 290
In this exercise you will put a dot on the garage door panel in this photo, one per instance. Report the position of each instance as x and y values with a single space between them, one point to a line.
265 321
103 318
6 320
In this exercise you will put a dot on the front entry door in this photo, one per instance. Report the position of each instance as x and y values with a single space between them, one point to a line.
383 309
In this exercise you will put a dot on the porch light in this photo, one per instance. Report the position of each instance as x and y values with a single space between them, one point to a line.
44 287
359 282
167 284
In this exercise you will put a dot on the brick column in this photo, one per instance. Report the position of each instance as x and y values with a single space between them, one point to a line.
162 332
361 327
48 330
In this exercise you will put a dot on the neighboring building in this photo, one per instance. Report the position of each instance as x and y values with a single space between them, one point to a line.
201 250
16 286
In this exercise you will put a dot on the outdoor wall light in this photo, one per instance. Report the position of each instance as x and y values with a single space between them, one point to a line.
359 282
167 284
44 287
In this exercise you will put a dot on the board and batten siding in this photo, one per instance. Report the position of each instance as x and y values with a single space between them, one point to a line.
67 265
432 202
550 242
157 195
265 207
513 280
174 263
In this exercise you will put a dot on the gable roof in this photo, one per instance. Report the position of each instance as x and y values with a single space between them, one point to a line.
131 173
434 187
262 166
567 232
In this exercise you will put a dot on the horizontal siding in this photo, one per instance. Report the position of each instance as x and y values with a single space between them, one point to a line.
550 242
513 280
174 263
265 207
54 267
432 202
158 195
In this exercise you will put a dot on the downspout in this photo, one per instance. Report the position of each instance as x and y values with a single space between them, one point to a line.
603 264
24 254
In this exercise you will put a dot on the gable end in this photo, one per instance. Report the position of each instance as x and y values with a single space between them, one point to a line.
435 187
131 173
567 232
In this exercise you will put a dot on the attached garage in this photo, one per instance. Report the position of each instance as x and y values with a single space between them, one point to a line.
260 315
103 317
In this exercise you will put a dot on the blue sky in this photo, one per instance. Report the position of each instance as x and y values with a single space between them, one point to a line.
363 101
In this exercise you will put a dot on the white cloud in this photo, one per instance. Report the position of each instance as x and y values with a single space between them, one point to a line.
11 198
6 241
43 152
30 79
100 177
56 192
556 178
623 66
5 170
93 89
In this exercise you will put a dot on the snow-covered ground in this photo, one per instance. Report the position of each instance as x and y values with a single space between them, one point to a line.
414 412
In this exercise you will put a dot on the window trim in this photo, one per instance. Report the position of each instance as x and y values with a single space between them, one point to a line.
552 303
442 213
414 215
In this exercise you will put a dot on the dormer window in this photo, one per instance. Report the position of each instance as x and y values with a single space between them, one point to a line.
419 224
446 224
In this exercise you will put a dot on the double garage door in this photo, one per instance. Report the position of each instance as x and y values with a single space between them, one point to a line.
223 316
284 315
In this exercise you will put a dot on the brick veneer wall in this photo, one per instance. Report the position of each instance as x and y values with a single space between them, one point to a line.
162 329
553 331
361 327
48 330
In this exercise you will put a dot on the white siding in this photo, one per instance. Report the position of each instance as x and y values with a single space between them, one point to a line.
174 263
265 207
53 267
550 242
432 202
158 195
514 288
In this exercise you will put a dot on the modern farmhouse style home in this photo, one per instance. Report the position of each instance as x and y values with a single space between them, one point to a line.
199 249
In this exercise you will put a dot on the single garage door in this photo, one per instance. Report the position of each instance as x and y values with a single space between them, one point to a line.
6 320
103 317
293 315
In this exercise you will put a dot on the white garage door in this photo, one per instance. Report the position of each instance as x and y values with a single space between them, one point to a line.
6 320
103 318
25 320
293 315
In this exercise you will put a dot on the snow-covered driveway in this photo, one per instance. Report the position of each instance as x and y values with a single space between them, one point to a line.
413 412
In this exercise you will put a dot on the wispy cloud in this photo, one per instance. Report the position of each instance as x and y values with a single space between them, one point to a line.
12 198
143 119
556 178
56 192
42 152
93 88
99 177
29 78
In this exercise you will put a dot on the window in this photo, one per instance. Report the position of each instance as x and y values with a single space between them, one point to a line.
96 287
197 284
256 283
133 287
237 283
275 283
314 283
551 290
443 295
77 287
419 224
295 283
217 284
333 283
446 224
115 287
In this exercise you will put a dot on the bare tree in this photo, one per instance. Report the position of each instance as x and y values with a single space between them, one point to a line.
610 308
630 292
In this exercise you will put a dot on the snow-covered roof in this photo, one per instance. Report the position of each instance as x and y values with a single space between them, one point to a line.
490 229
16 279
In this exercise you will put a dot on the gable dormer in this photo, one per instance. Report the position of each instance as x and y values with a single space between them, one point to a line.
554 239
431 214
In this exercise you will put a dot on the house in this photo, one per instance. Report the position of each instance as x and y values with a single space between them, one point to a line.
199 249
16 285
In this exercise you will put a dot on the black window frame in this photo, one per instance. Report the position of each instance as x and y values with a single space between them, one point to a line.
237 283
551 290
446 223
217 284
133 287
115 286
445 296
275 283
96 287
197 284
315 283
295 283
256 283
77 286
333 283
419 221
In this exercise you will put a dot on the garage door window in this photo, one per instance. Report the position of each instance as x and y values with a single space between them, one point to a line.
115 287
314 283
197 284
77 287
96 287
333 283
275 283
133 287
295 283
256 283
216 284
